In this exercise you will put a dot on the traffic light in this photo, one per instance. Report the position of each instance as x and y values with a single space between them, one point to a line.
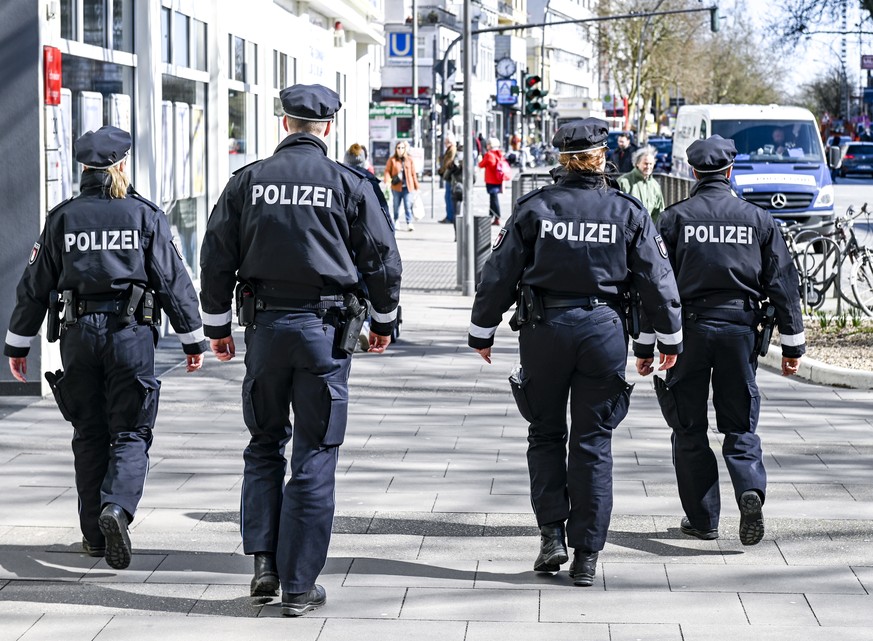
533 95
450 106
714 20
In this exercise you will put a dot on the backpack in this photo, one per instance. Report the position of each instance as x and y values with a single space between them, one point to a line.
504 171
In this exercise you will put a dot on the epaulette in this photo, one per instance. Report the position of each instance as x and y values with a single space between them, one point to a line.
58 206
361 173
633 199
134 194
530 194
254 162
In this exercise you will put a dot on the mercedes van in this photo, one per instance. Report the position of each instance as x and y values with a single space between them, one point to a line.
780 164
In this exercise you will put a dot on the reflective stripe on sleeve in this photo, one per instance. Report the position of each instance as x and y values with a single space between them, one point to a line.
669 339
482 332
217 320
390 317
789 340
646 339
192 337
14 340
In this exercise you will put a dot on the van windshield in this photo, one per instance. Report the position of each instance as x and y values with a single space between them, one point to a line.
775 141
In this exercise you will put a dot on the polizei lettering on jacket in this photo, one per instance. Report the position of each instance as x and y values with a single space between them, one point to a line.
579 230
105 240
731 234
293 195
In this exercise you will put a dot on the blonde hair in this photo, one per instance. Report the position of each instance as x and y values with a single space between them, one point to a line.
588 161
120 181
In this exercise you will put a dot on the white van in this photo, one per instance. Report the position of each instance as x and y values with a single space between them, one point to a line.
780 164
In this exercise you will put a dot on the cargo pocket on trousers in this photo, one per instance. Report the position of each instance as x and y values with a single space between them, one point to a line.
338 410
57 382
754 405
248 405
151 391
619 401
518 383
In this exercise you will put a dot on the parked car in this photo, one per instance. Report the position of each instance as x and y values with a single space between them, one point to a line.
664 154
857 158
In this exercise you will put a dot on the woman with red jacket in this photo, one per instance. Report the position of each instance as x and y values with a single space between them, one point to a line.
493 180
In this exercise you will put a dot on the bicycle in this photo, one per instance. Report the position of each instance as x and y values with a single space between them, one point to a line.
817 276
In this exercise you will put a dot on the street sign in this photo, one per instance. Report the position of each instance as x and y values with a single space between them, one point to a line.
390 111
421 101
400 45
505 96
866 62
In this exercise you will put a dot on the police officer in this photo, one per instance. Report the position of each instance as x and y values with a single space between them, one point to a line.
109 250
573 250
728 256
299 231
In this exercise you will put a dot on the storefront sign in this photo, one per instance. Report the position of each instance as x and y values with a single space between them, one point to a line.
52 63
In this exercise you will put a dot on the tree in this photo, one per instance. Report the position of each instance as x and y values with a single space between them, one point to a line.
799 17
825 93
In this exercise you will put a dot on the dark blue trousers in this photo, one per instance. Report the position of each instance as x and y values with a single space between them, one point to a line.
722 351
580 355
291 362
110 394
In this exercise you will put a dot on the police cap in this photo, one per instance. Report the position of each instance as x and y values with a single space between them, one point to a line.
310 102
103 148
712 155
581 136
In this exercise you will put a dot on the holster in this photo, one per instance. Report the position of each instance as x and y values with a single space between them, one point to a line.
529 308
127 314
53 322
68 305
245 304
667 403
632 312
768 322
518 382
353 321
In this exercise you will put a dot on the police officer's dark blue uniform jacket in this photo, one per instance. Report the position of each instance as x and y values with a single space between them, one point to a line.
541 244
728 254
301 215
98 247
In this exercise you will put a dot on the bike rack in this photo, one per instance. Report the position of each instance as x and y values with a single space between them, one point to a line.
808 251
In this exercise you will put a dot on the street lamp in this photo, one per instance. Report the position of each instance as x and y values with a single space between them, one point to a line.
543 62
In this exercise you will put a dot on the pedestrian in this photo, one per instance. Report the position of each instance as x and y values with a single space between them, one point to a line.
572 250
640 184
297 231
729 256
448 164
622 155
401 177
835 157
356 156
491 161
110 252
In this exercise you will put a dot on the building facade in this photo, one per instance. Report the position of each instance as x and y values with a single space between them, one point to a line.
197 85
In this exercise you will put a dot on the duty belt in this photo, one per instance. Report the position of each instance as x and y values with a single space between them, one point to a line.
551 302
290 304
99 307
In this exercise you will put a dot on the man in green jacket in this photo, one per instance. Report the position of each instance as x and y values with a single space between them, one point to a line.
638 182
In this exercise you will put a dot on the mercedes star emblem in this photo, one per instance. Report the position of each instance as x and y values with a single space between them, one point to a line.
778 201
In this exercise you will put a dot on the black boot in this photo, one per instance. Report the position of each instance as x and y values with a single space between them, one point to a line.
113 524
583 568
266 579
553 550
295 605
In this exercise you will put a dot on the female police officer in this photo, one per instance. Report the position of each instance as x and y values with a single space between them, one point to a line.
572 250
103 249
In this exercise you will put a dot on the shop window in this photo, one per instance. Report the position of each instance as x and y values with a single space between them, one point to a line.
237 57
181 42
94 22
251 67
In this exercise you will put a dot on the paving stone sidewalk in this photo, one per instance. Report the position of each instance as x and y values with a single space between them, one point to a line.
434 537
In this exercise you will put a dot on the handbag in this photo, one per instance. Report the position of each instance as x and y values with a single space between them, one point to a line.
396 180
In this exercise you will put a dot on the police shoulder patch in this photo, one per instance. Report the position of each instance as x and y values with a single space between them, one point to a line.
34 253
500 236
662 247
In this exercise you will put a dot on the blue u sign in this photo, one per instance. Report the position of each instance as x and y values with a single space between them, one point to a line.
400 45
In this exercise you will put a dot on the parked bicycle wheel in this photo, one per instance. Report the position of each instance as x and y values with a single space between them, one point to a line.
862 282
